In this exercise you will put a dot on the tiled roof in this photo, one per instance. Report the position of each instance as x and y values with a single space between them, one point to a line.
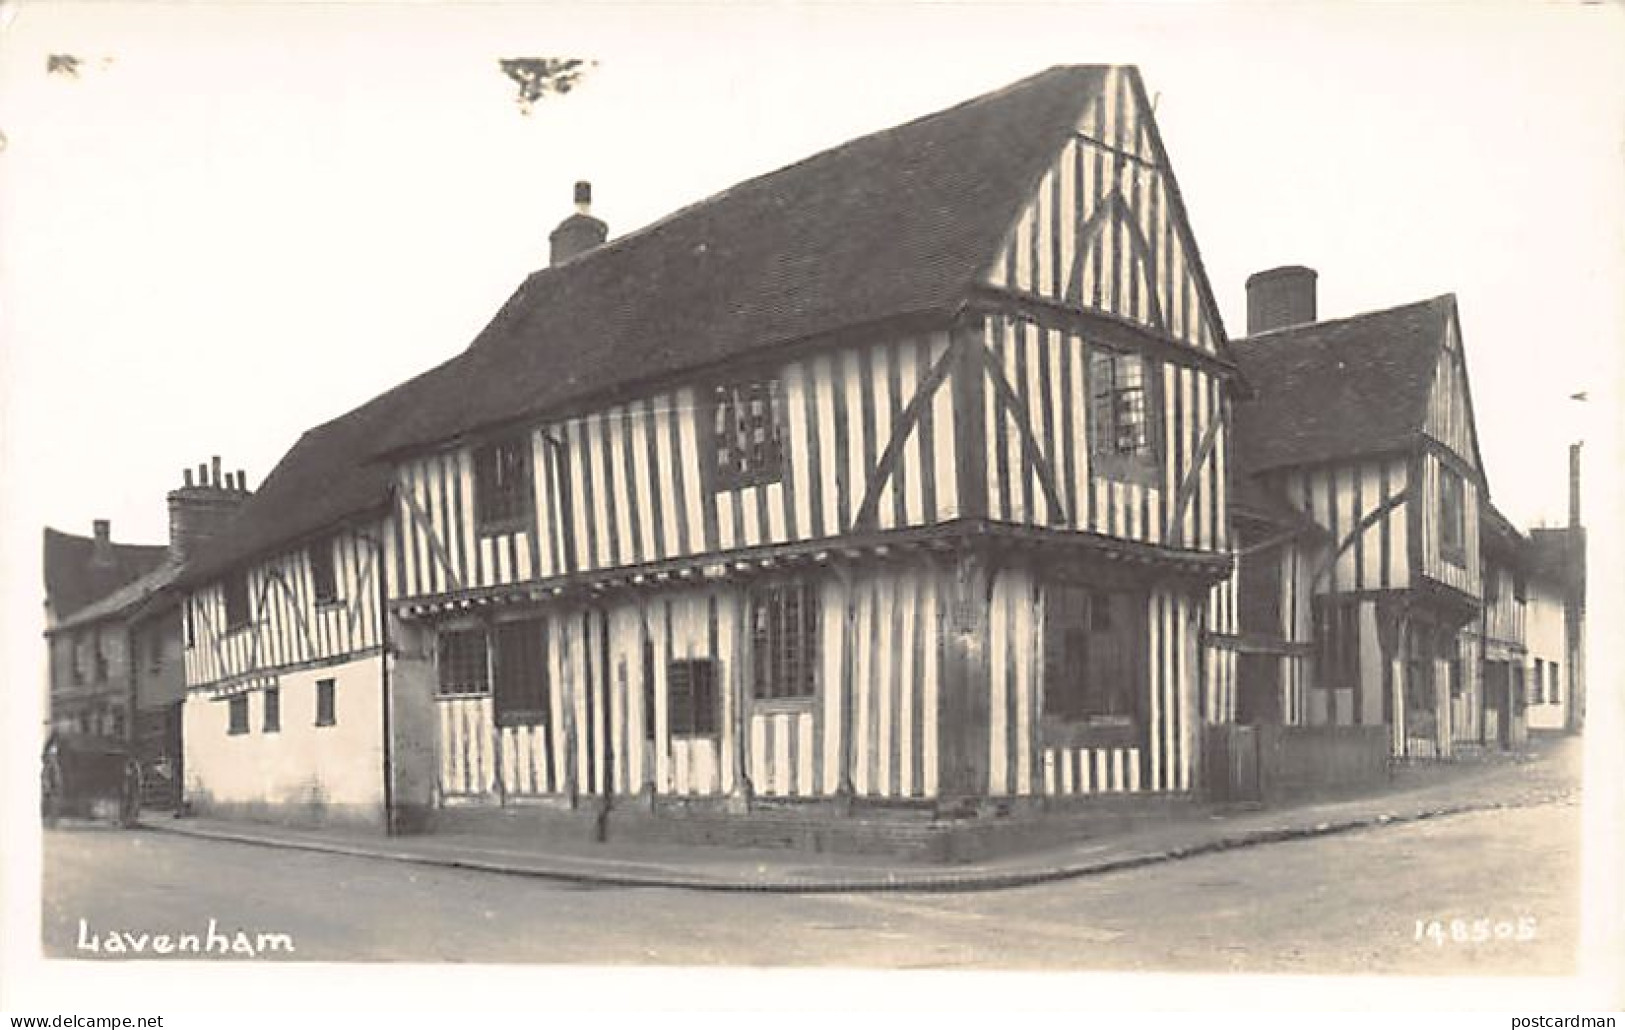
125 600
324 479
1340 388
897 223
73 579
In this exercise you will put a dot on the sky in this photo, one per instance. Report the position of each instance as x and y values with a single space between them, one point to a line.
240 220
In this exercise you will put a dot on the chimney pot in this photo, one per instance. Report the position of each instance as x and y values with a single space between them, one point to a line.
578 233
202 474
1280 297
101 552
215 465
186 476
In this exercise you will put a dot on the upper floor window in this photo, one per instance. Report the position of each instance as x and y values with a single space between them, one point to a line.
235 589
188 622
520 691
784 641
1091 653
502 497
748 434
1121 410
1452 516
462 662
1520 588
1492 585
324 581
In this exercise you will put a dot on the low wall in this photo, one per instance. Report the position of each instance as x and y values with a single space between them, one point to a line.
1267 763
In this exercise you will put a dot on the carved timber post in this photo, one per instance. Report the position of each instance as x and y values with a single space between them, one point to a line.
963 703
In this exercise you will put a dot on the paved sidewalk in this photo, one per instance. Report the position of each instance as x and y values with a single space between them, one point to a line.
1549 774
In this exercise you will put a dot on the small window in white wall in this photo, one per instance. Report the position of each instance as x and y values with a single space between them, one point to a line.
237 715
325 713
271 721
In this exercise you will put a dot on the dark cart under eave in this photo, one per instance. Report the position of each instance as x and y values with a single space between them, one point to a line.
90 777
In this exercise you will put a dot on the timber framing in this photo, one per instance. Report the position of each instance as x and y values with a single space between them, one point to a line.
1198 568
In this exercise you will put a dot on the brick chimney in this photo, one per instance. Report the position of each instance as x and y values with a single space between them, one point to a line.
580 232
1280 297
101 551
199 510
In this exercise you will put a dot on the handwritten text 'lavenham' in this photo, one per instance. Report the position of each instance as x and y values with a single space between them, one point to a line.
211 942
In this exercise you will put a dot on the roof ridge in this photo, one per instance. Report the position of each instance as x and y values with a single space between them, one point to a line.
1329 322
609 246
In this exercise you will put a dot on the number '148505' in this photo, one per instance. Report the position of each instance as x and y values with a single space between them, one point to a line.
1474 931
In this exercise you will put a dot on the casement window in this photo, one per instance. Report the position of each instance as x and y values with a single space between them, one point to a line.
271 716
520 692
1452 517
1539 695
1092 640
748 433
1337 645
784 641
237 715
324 582
502 493
235 590
691 697
1554 684
1120 403
326 712
462 664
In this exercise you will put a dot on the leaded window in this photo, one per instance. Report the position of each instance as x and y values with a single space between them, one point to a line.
502 494
1119 395
462 664
520 692
784 639
748 433
1091 639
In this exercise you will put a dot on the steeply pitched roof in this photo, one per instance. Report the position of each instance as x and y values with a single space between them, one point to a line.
897 223
323 479
74 580
1340 388
124 601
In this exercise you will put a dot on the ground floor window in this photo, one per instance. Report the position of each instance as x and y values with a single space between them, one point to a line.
237 715
1094 640
784 641
520 692
326 714
461 663
271 717
692 702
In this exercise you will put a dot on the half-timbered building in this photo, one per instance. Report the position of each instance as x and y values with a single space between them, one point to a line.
284 637
1501 633
897 476
1366 425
